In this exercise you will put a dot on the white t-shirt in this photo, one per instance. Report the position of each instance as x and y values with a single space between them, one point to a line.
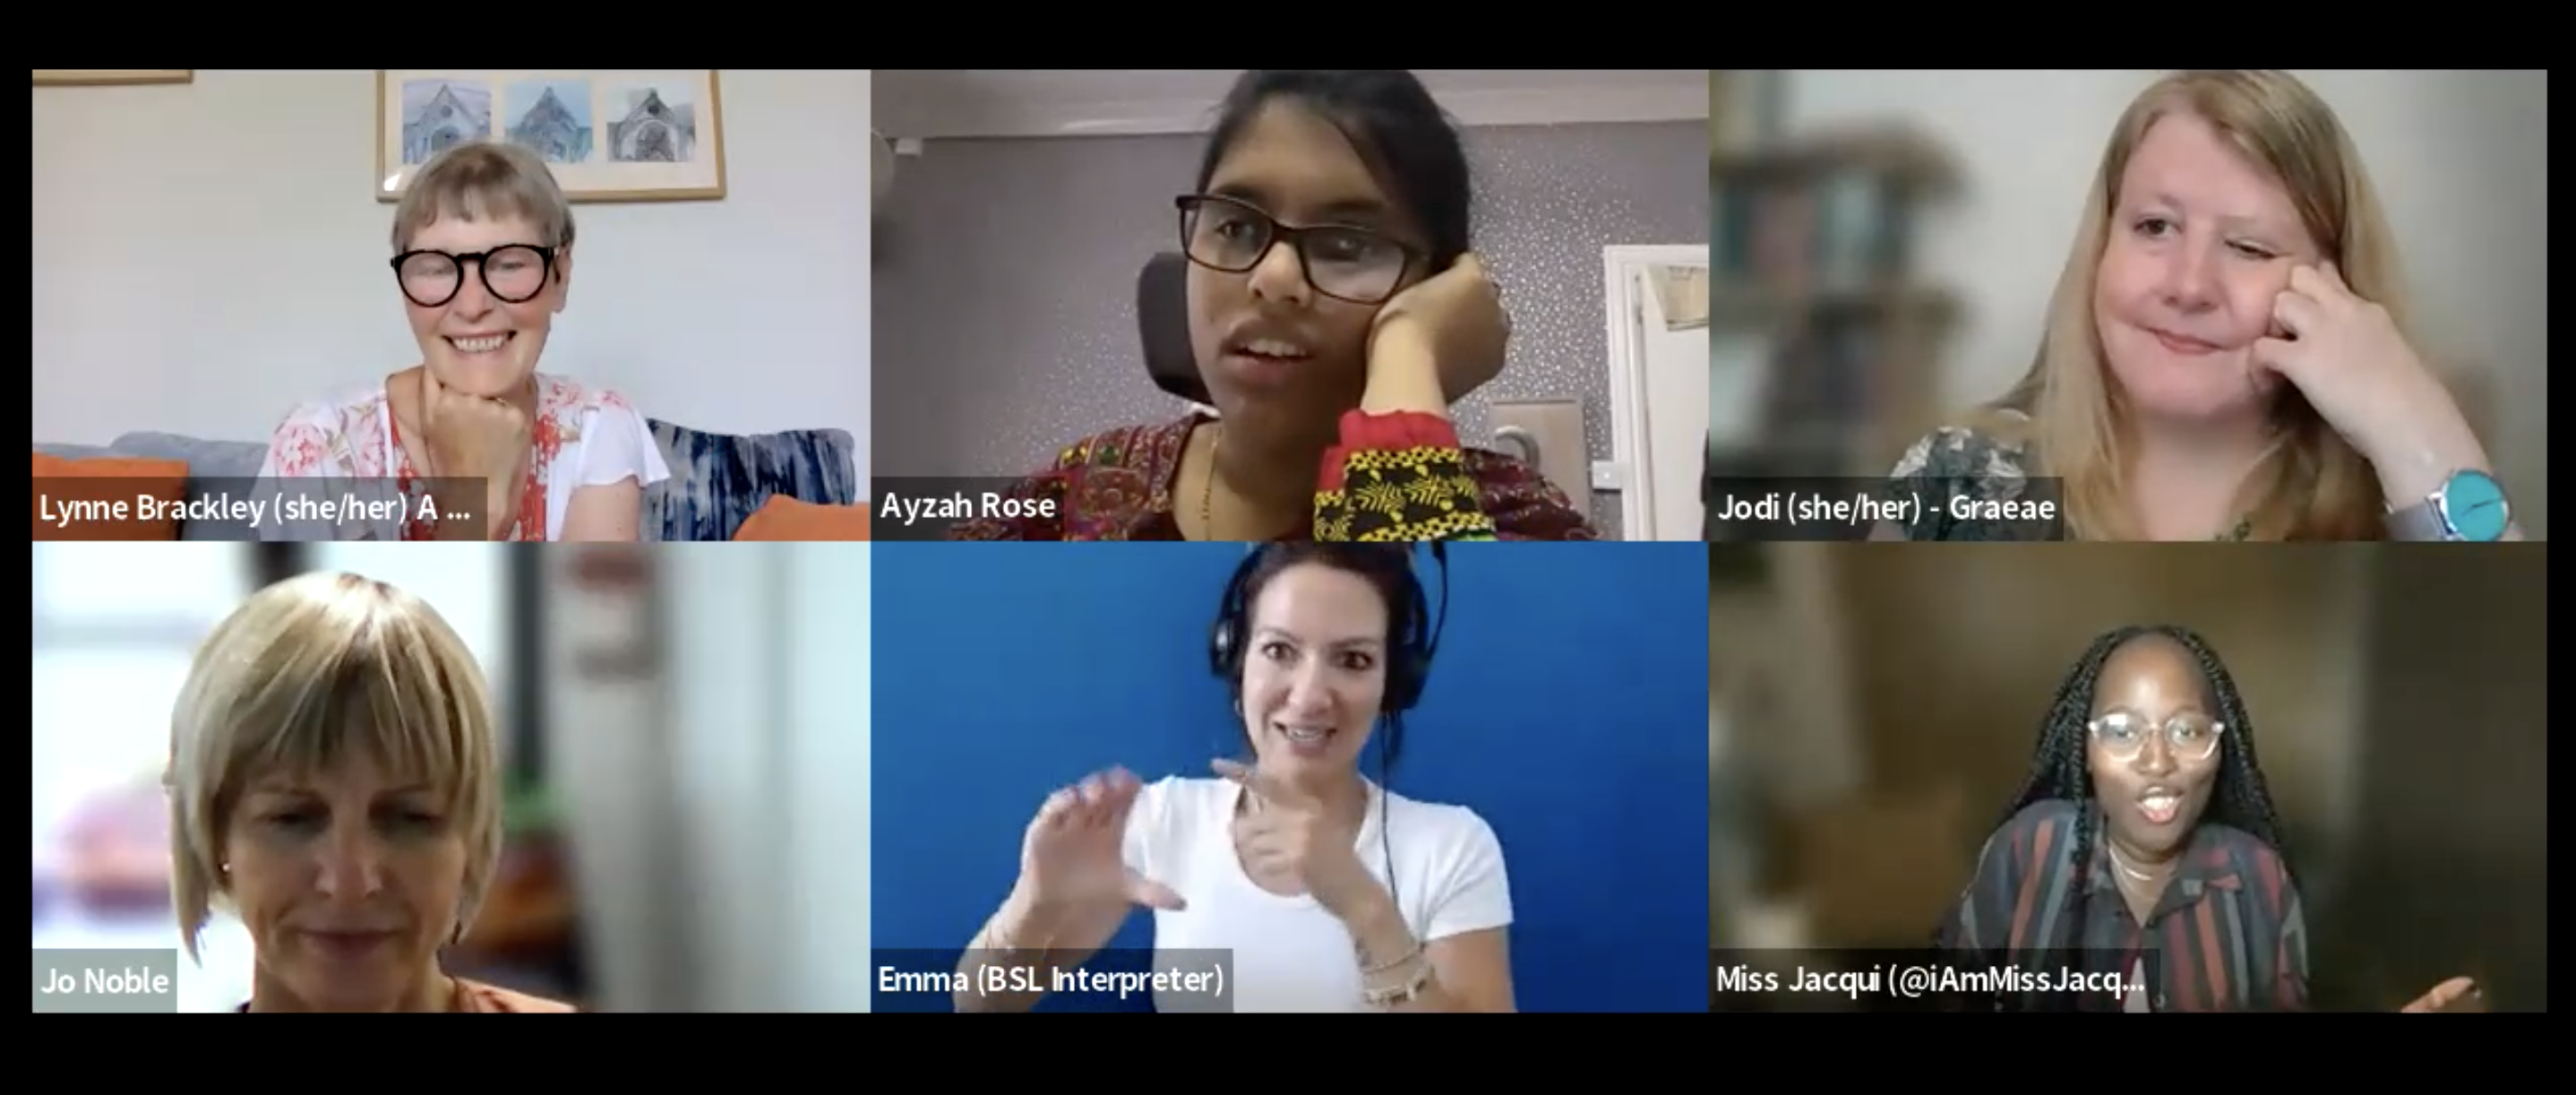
1289 954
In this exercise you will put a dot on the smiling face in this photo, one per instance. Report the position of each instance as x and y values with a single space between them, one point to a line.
2151 715
349 880
1315 671
1276 354
334 776
2201 241
479 342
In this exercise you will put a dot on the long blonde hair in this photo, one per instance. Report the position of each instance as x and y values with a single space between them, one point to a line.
2313 486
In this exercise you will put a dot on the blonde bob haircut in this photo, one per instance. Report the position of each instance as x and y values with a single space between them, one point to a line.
480 181
2313 485
307 672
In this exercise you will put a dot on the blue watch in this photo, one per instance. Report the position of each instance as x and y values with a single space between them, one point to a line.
2469 507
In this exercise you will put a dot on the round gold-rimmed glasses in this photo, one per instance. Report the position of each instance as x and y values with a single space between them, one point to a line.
2187 737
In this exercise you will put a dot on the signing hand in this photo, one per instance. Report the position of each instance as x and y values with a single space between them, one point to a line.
1071 858
1291 834
2347 357
2458 994
1455 316
469 436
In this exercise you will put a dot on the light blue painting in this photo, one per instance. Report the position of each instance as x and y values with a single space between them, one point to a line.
551 117
654 123
438 114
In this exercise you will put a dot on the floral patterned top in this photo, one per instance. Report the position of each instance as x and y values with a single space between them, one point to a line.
1392 478
583 437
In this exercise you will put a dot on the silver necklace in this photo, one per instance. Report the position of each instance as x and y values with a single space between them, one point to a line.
2124 866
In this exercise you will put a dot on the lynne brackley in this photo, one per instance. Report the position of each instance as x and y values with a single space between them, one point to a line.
66 513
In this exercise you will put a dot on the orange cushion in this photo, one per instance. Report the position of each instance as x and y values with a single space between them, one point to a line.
108 497
785 519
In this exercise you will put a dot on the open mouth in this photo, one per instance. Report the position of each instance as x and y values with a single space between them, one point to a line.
1267 358
475 345
2160 805
1305 740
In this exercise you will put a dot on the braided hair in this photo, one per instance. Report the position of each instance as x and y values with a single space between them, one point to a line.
2059 769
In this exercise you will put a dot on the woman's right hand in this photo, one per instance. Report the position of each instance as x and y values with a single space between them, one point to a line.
1072 861
2459 994
1457 318
469 436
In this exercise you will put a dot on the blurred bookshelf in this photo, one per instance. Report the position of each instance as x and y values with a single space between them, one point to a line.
1823 342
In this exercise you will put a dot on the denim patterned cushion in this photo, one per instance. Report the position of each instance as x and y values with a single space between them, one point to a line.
718 480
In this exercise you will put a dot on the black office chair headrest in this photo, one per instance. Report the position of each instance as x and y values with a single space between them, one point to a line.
1163 321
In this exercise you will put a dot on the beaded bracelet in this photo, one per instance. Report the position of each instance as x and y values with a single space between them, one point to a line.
1390 965
1411 990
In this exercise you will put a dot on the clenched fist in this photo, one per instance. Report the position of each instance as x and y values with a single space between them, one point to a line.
469 436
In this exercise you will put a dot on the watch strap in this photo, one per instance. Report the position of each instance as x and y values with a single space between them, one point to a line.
2420 523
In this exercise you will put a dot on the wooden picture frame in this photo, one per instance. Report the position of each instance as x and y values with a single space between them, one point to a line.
112 77
611 136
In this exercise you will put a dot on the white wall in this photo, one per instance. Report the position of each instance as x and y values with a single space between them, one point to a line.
2461 159
827 760
770 727
721 812
208 254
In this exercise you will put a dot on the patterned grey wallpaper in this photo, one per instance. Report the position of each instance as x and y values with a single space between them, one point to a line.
1005 282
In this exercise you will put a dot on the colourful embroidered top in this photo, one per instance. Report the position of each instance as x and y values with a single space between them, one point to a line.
1393 477
2228 932
580 437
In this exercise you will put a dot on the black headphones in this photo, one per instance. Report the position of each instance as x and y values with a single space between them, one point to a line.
1417 633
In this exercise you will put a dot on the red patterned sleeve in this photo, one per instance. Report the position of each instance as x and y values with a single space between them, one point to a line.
1397 478
1052 484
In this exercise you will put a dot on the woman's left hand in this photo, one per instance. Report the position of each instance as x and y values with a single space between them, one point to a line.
2458 994
1290 832
1456 317
2347 357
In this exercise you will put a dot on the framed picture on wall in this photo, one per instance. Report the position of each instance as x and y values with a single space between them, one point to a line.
611 136
112 77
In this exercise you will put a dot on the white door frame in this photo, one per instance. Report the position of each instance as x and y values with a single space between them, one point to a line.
1629 469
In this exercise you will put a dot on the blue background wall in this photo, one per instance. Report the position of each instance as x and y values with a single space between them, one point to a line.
1568 706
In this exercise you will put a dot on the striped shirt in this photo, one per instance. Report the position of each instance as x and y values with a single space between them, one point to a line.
2228 934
